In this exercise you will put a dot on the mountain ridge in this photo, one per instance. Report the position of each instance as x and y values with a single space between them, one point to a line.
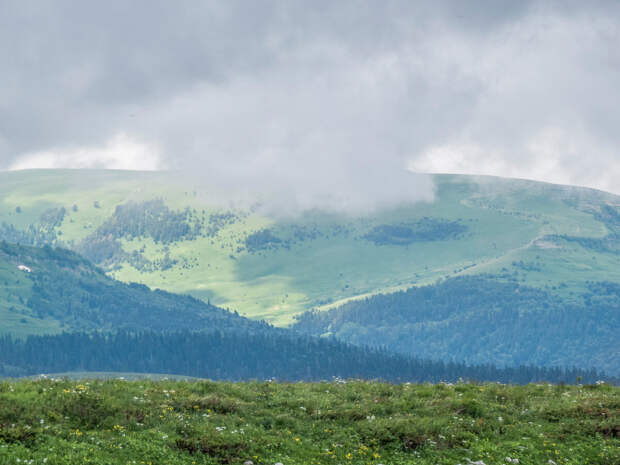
98 324
550 241
275 268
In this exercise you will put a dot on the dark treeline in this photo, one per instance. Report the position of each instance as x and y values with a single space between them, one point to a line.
261 240
238 356
148 219
35 234
137 220
131 220
424 230
483 320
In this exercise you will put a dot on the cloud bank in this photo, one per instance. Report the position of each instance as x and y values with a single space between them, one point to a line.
316 104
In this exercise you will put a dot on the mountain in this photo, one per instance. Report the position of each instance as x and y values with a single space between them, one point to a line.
47 290
493 271
168 232
108 325
481 319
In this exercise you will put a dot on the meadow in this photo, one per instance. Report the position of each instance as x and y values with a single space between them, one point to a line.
324 259
115 421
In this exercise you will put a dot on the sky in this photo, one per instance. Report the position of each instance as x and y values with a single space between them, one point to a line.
322 103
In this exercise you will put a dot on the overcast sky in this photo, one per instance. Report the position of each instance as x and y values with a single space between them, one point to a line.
315 97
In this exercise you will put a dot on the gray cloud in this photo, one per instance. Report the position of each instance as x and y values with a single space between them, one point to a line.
322 103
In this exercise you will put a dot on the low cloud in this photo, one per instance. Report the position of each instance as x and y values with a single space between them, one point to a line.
325 105
120 153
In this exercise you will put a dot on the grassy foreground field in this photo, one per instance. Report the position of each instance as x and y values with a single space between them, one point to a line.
202 422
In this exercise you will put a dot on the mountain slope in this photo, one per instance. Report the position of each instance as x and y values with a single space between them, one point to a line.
112 326
46 290
169 233
480 319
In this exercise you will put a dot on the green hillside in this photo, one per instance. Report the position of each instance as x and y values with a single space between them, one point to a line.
106 325
483 319
47 290
547 236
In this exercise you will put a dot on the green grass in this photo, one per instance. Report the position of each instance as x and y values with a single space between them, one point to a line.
16 317
505 218
202 422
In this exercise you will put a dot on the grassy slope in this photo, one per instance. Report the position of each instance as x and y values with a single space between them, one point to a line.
16 317
66 292
505 218
111 422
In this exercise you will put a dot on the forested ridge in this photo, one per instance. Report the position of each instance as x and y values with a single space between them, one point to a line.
483 320
112 326
67 288
486 321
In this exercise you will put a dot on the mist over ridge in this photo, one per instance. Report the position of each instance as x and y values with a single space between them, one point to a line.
331 100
